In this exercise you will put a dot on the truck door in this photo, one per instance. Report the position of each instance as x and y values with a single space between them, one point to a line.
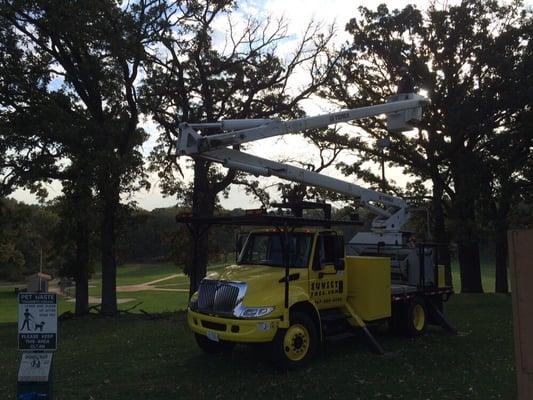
327 286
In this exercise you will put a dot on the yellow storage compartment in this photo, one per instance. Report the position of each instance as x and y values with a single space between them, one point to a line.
441 278
369 291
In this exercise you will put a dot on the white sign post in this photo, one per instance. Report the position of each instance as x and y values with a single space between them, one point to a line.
37 336
37 321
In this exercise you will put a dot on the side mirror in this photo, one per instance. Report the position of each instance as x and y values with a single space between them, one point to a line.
339 264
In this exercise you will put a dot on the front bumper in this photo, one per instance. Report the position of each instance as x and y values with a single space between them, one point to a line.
234 330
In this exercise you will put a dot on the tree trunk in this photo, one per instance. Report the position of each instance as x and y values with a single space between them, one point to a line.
438 228
110 202
468 248
81 204
470 266
464 212
200 259
203 205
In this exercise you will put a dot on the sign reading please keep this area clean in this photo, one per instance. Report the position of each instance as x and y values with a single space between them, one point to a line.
37 321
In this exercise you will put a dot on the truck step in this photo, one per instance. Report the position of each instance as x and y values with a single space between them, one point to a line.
333 316
340 336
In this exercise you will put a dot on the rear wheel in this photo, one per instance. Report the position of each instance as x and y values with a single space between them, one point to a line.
416 318
212 347
296 345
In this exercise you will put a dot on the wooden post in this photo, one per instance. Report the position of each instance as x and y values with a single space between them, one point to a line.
521 263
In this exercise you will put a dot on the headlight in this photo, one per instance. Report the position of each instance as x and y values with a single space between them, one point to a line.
193 302
254 312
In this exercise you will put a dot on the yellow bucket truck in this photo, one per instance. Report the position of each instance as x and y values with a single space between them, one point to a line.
293 287
298 283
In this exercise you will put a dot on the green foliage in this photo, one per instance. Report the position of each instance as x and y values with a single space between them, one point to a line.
11 262
454 54
64 235
25 232
143 236
94 51
151 236
247 79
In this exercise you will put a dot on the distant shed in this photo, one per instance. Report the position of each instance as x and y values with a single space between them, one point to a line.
38 282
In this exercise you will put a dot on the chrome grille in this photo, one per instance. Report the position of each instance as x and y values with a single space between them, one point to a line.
206 295
218 296
225 298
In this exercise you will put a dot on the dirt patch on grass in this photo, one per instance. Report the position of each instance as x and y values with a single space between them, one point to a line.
98 300
151 285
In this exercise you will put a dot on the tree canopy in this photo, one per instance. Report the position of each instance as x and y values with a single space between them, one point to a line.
79 80
471 60
191 79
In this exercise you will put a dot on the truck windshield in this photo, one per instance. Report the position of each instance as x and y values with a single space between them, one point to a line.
265 249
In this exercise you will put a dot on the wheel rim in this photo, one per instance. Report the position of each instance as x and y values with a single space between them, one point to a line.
296 342
419 317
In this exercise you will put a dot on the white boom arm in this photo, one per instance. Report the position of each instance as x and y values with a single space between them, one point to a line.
392 212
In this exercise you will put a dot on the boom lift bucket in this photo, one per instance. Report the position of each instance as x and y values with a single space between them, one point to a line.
404 120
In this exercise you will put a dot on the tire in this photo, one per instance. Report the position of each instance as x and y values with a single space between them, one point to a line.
416 318
211 347
295 346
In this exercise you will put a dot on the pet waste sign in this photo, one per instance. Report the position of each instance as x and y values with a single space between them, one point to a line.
37 321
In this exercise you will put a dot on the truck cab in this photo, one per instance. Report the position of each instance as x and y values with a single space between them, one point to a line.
245 303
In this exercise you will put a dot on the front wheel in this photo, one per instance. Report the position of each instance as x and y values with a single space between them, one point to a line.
296 345
212 347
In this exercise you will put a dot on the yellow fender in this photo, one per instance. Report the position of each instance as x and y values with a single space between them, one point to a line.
300 299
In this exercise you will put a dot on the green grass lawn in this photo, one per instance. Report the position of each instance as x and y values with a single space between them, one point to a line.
8 305
134 274
487 276
131 357
130 274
